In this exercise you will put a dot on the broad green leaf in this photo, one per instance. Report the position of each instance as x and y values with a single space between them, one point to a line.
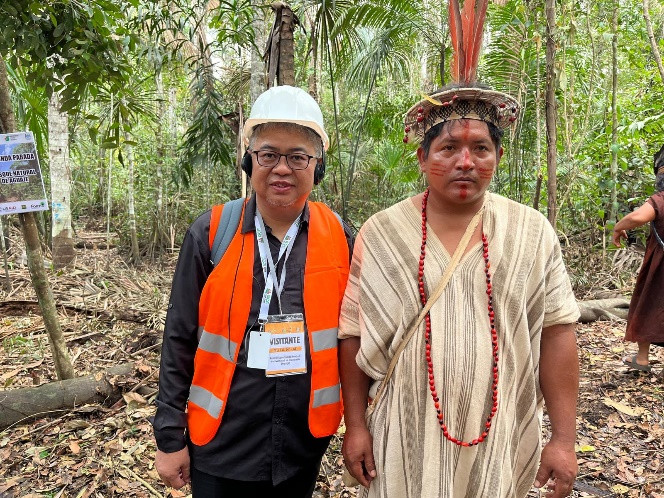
59 29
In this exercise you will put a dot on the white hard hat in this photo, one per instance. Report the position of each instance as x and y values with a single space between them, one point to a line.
286 104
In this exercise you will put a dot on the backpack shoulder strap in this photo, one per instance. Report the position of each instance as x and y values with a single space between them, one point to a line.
228 221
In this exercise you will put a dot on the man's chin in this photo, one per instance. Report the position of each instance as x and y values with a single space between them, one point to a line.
276 202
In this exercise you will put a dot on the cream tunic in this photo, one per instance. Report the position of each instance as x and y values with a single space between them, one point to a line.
531 290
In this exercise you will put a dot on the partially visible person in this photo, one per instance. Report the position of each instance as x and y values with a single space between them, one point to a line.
645 320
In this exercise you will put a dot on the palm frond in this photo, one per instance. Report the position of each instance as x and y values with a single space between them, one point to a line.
207 141
31 108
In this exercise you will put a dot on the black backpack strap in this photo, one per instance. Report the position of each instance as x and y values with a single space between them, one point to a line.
230 219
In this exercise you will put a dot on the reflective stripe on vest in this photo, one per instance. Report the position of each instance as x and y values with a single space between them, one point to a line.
324 339
214 343
327 396
206 400
224 309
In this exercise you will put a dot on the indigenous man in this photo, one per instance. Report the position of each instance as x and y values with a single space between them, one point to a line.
461 414
249 386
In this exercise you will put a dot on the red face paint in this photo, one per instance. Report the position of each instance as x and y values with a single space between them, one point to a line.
461 162
466 161
465 133
485 173
438 170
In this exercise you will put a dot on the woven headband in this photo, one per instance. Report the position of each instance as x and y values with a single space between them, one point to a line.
493 107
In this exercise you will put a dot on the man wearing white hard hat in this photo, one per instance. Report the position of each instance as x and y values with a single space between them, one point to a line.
249 384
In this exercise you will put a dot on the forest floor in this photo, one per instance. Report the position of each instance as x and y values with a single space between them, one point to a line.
113 313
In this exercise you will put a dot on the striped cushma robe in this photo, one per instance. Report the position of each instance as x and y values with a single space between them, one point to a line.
531 290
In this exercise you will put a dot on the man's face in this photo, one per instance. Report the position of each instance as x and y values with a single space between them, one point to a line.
461 162
281 186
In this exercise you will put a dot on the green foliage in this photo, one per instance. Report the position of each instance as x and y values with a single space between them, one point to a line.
371 59
233 23
31 108
120 109
207 141
67 45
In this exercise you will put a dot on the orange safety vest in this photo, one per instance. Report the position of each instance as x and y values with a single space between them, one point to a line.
224 311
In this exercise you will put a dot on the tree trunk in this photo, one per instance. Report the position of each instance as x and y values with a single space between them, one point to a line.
538 120
614 113
109 184
286 74
99 187
257 82
441 65
20 405
131 202
313 77
159 238
7 284
58 147
425 78
63 365
7 121
653 40
551 113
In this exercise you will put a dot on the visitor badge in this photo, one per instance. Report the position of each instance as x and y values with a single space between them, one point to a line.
287 354
259 349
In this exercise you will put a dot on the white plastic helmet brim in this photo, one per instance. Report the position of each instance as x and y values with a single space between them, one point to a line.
253 122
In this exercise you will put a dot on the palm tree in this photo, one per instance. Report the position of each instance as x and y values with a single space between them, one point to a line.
121 109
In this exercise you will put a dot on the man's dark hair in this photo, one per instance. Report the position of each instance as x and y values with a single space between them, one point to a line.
659 159
659 183
495 133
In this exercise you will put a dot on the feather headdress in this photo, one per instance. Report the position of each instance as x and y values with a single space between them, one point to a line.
465 98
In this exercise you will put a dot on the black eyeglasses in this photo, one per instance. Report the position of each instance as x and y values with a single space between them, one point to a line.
295 161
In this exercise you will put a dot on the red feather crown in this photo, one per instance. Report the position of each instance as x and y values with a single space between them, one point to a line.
465 98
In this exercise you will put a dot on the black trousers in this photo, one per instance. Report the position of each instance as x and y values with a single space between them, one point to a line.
208 486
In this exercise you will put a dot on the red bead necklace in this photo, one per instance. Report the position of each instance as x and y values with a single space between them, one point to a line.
427 336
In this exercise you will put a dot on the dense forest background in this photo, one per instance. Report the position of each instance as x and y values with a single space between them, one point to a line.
136 105
153 93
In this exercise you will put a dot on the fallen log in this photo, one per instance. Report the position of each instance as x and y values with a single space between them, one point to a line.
609 309
19 405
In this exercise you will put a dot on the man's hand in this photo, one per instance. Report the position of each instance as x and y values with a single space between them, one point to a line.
558 464
173 468
357 450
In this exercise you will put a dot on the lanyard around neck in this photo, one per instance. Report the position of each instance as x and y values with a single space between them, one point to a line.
268 264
